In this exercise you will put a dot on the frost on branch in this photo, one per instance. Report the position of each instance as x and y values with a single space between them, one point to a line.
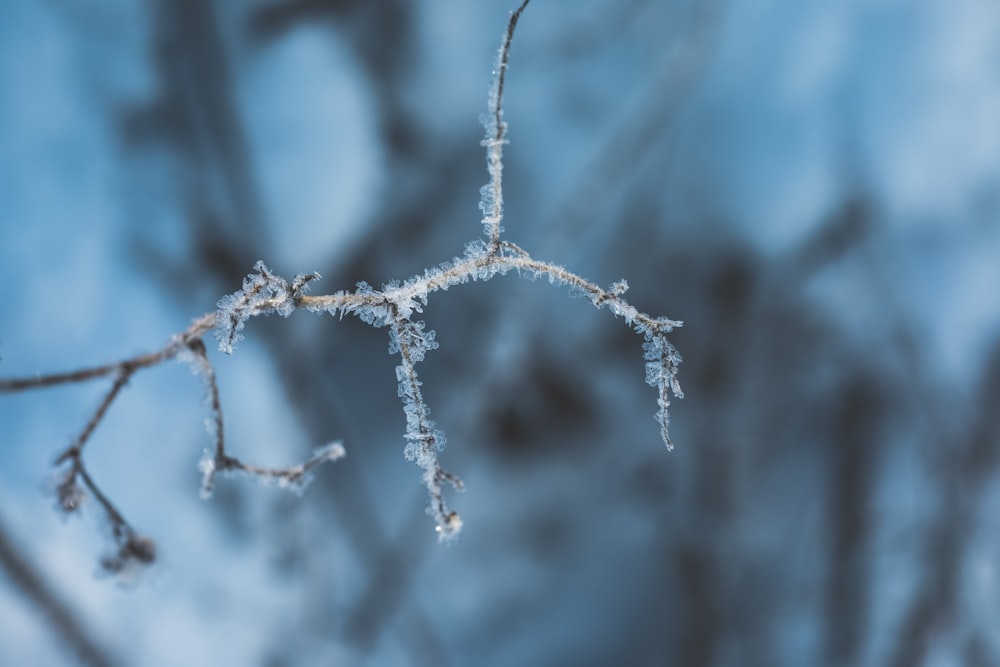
263 293
295 477
423 437
394 306
662 361
491 202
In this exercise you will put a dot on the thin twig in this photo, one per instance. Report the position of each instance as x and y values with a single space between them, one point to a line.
502 73
496 137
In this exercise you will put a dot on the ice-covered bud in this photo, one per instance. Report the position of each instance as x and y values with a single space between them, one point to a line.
69 495
450 527
207 467
134 552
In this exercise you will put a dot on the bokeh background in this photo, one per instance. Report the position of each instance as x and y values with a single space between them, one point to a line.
811 186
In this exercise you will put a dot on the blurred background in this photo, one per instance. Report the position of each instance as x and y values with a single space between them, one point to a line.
811 186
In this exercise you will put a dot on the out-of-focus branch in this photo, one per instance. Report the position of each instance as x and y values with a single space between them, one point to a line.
57 617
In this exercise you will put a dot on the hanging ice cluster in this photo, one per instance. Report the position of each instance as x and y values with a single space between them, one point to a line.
411 341
662 362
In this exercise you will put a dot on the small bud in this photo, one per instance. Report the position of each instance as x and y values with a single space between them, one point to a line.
133 553
451 526
69 495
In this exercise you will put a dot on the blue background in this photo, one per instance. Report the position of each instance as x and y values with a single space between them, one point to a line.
810 186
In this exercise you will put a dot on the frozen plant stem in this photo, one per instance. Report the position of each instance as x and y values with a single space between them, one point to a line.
394 307
496 137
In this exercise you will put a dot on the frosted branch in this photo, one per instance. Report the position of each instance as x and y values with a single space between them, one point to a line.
491 202
395 306
424 438
294 477
263 293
